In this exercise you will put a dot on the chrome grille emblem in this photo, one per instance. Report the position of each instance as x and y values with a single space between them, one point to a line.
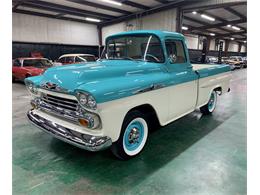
53 87
50 85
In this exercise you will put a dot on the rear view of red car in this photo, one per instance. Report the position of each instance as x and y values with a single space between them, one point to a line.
27 67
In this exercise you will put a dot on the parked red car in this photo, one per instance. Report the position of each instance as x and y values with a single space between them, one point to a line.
26 67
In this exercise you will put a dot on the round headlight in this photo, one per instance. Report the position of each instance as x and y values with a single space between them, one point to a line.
86 100
92 102
83 99
32 88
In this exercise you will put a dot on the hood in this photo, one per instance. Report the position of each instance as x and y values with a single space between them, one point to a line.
70 77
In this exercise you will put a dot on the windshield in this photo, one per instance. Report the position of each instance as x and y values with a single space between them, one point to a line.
39 63
88 58
134 47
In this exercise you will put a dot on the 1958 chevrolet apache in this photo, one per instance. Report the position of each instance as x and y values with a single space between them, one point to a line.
143 77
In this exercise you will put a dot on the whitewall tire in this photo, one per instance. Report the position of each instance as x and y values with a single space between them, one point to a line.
133 136
211 105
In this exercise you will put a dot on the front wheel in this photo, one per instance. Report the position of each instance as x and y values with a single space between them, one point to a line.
211 105
133 136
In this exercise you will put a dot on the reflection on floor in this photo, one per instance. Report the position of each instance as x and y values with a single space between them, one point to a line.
193 155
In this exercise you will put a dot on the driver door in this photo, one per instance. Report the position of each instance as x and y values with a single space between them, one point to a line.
183 80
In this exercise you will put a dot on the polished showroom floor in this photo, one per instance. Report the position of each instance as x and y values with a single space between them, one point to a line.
202 155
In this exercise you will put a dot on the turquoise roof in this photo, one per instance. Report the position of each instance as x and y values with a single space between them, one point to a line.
161 34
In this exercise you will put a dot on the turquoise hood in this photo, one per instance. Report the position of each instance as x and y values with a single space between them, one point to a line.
105 80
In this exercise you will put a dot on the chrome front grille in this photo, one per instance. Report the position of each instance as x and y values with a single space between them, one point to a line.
64 103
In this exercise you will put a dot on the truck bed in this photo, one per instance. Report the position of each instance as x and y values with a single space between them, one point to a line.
205 70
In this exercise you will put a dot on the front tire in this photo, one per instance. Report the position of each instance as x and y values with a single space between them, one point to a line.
211 105
133 136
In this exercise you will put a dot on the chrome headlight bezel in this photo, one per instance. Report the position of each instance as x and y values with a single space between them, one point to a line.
86 100
32 88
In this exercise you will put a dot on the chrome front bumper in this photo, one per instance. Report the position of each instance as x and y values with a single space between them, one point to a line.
84 141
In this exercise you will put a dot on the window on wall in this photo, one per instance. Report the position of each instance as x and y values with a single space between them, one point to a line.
175 47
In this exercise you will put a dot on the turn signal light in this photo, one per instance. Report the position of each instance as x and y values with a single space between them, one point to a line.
33 105
84 122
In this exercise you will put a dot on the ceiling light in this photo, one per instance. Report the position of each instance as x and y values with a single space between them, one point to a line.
194 12
207 17
93 20
228 25
184 28
112 2
212 34
244 41
232 38
236 28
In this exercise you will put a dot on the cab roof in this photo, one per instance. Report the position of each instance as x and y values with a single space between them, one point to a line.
75 54
30 58
161 34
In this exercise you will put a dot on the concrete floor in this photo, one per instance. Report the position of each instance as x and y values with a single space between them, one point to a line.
194 155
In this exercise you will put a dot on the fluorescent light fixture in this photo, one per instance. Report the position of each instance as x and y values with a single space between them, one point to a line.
212 34
228 25
93 20
232 38
207 17
194 12
184 28
244 41
236 28
112 2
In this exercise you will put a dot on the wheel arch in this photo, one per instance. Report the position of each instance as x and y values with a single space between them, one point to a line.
28 74
216 88
149 111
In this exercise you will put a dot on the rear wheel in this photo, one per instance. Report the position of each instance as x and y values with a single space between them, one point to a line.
211 105
133 136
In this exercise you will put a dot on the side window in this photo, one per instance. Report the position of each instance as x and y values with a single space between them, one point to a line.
175 47
17 63
69 59
77 59
61 60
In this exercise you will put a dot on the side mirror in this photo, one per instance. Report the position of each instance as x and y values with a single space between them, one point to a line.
172 58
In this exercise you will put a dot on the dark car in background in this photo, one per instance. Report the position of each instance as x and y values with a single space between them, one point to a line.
208 60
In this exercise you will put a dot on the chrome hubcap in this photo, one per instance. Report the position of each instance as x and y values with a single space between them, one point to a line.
133 135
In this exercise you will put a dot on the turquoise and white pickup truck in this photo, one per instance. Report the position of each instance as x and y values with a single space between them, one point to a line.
143 78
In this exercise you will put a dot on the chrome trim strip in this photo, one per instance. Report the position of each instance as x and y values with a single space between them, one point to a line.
84 141
152 87
48 96
59 104
58 94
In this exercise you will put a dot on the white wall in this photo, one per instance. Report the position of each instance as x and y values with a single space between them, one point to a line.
233 46
165 20
243 48
27 28
192 41
112 29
